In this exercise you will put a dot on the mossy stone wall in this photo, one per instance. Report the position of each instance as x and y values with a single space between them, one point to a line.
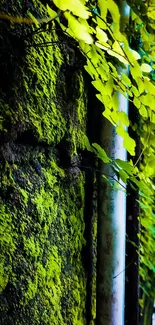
43 116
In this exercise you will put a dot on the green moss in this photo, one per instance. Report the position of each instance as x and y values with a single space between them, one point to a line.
42 210
7 244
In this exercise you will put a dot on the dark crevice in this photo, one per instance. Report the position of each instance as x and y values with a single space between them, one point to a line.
88 165
132 230
63 150
27 137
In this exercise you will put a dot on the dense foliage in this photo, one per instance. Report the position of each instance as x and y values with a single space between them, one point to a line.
104 38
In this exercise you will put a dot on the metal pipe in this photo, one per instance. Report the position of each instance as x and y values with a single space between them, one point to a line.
112 225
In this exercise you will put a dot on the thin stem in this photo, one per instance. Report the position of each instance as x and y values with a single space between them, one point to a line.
43 44
98 171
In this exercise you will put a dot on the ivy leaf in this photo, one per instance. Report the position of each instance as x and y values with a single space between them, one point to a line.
98 84
123 118
125 166
129 144
104 47
142 205
101 153
51 12
146 68
120 130
118 53
145 196
149 86
141 86
135 91
151 14
101 35
137 102
76 6
123 175
91 70
126 80
136 55
77 29
143 111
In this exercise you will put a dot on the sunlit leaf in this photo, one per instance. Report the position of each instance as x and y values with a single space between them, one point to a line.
123 175
129 144
75 6
123 118
146 67
101 35
118 53
143 111
102 46
137 102
101 153
79 30
136 55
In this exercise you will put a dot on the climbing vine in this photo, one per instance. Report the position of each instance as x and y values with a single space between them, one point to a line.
106 40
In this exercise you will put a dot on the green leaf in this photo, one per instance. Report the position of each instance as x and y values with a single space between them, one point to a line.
75 6
118 53
141 86
143 111
98 84
126 80
124 165
137 102
51 12
129 144
142 205
80 31
123 175
101 35
146 68
145 196
120 130
135 91
123 118
101 153
91 70
136 55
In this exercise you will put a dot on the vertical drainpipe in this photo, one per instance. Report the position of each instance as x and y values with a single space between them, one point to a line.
112 225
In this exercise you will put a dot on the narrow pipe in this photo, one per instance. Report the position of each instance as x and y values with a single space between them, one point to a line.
112 225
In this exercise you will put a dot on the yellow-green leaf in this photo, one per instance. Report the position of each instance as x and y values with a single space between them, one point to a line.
75 6
141 85
51 12
123 175
118 53
151 14
136 102
101 153
146 68
101 35
143 111
129 144
136 55
91 69
123 118
126 80
78 30
104 47
135 91
120 130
